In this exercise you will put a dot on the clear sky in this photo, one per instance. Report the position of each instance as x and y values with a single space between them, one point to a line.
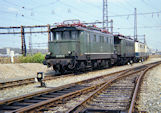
42 12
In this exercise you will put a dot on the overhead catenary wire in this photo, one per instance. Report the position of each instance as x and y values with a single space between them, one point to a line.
149 5
80 10
138 14
20 11
146 27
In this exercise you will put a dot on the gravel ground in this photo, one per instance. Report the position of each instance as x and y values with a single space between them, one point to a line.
25 89
9 72
150 94
17 71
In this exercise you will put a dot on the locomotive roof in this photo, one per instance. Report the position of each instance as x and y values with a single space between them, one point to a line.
140 42
123 37
90 29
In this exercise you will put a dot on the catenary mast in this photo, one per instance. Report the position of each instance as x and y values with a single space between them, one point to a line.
105 14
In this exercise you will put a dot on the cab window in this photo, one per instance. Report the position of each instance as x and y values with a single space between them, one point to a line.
58 36
66 35
74 35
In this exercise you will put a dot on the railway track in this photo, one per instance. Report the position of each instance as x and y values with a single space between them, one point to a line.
116 96
26 81
46 95
42 100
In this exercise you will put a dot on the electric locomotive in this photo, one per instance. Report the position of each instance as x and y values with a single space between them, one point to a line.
125 49
141 51
78 47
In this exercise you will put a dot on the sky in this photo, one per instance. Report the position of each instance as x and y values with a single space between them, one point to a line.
43 12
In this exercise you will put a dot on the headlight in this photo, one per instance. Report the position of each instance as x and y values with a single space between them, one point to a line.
49 53
69 52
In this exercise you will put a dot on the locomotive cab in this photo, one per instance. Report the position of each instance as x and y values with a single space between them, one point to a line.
65 42
64 48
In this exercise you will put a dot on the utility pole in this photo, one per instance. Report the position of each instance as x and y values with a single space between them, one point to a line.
49 35
135 25
23 43
112 26
30 43
105 14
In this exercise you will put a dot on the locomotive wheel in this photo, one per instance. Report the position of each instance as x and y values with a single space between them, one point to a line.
94 65
107 64
56 71
62 71
82 66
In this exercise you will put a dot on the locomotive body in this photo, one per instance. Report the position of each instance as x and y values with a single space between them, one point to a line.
75 48
141 51
124 48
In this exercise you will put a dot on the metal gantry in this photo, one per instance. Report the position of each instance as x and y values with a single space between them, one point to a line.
135 25
21 31
105 15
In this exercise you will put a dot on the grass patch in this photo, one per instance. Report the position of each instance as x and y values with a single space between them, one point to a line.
36 58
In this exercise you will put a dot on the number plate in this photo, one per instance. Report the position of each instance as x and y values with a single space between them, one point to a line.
59 56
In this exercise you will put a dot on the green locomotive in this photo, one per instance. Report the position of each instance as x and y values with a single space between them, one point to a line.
77 47
125 49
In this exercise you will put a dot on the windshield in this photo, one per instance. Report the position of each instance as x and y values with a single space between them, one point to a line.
65 35
58 36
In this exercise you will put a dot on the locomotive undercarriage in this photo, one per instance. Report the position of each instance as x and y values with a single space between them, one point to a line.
74 65
124 60
140 59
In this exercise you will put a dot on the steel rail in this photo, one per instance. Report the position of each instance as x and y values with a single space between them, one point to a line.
44 104
83 103
62 98
14 83
21 82
132 105
78 106
9 101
